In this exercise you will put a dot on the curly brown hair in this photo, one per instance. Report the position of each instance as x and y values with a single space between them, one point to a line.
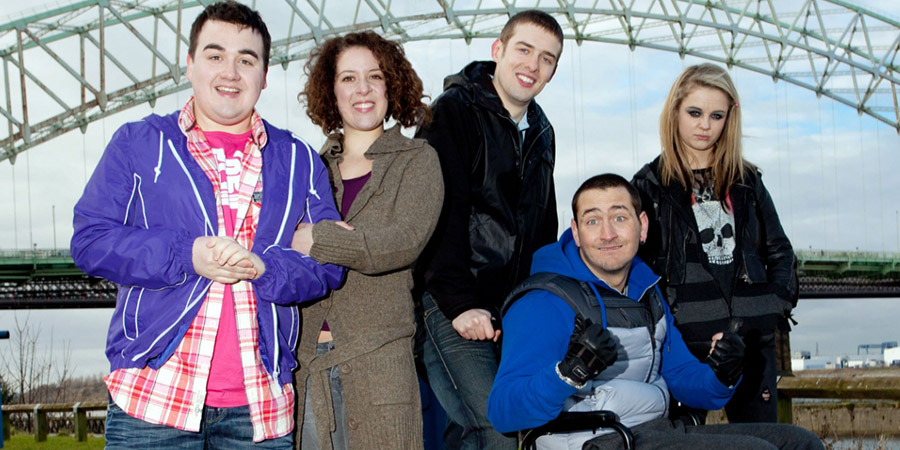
404 88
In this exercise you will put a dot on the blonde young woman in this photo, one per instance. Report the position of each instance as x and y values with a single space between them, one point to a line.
356 363
715 237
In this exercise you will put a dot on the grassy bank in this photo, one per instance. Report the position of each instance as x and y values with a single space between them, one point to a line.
26 442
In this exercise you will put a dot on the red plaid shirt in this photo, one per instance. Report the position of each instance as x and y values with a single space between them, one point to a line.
174 395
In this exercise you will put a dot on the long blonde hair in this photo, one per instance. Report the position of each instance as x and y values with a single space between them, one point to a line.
728 163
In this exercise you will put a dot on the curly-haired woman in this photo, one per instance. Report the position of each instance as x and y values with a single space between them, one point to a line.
357 374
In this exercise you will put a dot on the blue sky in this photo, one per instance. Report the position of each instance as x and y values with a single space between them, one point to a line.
831 172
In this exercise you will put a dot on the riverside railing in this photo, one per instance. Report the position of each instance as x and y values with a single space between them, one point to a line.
40 424
854 385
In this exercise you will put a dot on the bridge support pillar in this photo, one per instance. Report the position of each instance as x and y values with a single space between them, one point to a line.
785 408
81 429
40 424
7 428
783 352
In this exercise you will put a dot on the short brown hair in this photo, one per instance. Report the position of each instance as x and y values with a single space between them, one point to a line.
235 13
536 17
404 88
604 182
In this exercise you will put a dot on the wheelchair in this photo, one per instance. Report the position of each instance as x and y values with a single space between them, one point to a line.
568 422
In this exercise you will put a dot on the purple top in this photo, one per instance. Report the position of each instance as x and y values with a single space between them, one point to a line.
352 186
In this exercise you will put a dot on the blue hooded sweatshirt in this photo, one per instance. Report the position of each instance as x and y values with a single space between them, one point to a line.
528 393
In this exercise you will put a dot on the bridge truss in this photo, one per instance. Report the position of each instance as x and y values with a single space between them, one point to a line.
66 67
44 278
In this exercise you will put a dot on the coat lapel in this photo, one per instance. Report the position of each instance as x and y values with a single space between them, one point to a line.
382 153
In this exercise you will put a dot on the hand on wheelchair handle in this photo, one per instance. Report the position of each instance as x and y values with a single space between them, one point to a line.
591 350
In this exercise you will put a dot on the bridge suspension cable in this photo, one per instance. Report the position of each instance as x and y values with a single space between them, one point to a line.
66 67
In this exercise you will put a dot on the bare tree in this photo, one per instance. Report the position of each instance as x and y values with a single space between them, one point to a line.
31 372
63 372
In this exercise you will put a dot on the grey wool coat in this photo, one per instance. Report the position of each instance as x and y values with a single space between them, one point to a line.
371 316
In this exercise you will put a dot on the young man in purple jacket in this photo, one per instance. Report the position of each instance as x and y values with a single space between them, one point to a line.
192 215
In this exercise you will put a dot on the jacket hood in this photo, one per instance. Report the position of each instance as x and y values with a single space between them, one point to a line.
168 124
562 257
650 172
477 80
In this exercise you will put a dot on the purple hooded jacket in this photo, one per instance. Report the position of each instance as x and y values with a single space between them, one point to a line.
136 222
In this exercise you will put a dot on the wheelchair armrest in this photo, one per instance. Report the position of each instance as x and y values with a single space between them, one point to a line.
578 421
694 418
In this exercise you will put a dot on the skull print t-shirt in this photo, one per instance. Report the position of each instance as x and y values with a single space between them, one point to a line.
716 226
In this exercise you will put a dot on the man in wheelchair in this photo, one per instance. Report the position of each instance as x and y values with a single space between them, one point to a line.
590 331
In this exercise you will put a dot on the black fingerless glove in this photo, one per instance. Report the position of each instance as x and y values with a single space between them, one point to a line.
727 358
591 350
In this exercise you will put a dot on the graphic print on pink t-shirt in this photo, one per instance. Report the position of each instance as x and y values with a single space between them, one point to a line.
225 388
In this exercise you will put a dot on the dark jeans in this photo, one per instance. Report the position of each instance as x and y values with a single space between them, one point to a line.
221 428
309 440
461 373
756 397
663 434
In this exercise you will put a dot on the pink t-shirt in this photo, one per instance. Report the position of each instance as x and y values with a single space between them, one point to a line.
225 388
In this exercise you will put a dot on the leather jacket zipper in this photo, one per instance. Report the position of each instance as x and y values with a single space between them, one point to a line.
530 147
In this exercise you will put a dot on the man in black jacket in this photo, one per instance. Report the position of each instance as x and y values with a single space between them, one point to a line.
497 152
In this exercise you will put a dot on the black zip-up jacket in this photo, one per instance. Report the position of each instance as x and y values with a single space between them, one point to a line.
765 287
499 200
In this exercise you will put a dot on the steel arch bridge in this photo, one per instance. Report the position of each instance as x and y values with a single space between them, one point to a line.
66 67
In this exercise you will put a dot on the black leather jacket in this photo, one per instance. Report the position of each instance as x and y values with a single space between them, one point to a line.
499 201
766 286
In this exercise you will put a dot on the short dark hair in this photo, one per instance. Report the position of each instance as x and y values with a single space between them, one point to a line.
604 182
404 87
538 18
230 11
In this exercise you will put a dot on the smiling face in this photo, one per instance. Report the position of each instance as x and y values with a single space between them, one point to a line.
227 75
525 64
608 231
360 90
701 118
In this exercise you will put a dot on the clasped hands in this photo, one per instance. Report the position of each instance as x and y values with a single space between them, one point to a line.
223 260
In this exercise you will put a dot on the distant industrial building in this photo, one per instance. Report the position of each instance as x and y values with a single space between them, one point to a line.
892 356
876 355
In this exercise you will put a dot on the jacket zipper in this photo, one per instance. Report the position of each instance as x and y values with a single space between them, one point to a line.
531 146
690 232
649 309
522 158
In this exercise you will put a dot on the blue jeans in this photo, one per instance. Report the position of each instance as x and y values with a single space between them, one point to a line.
221 428
461 373
309 440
